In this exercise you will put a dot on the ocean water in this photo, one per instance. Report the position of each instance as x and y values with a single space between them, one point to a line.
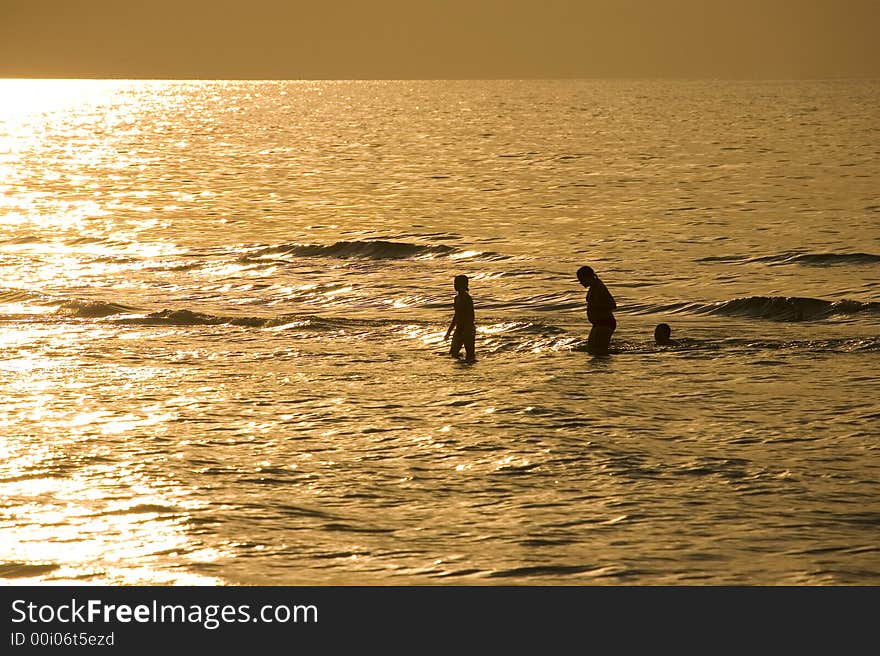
222 310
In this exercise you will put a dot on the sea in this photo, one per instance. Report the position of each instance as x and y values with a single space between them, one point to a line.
223 307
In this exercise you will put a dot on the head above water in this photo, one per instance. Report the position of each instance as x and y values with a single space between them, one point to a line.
662 333
586 275
461 283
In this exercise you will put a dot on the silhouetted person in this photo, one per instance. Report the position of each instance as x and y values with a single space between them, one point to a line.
462 321
663 335
600 306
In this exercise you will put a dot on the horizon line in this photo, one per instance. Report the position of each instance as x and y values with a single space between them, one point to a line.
718 78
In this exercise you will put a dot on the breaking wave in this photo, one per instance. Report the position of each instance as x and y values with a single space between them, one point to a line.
799 258
496 335
92 309
819 259
774 308
369 249
780 308
308 322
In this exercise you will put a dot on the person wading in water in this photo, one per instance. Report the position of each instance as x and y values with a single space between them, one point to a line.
462 321
600 306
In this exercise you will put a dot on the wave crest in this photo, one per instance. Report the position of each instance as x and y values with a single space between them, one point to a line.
92 309
819 259
368 249
373 250
779 308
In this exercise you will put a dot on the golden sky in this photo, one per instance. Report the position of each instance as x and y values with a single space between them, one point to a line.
382 39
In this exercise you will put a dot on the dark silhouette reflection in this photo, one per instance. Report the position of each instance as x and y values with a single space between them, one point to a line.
663 335
462 321
600 304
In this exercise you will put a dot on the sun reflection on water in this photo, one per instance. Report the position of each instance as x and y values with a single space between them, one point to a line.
81 500
22 97
103 524
65 529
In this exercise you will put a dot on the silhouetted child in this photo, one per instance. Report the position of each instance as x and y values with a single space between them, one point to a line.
462 321
663 335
